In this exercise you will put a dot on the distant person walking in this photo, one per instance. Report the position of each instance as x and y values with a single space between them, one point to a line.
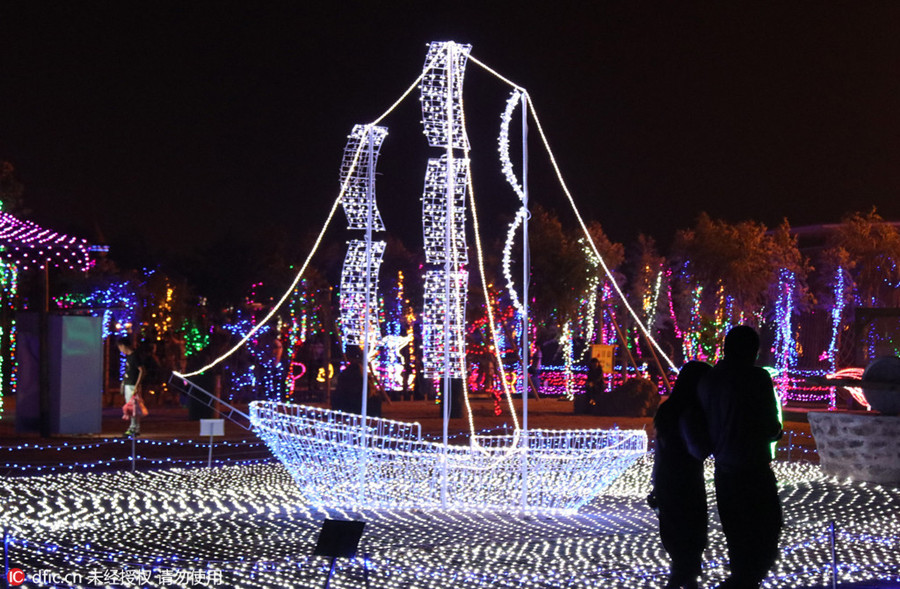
134 372
679 492
741 410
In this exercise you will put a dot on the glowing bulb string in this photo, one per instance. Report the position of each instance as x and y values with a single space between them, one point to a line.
490 313
315 247
590 239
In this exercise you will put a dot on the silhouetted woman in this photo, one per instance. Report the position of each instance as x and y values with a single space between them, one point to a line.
679 493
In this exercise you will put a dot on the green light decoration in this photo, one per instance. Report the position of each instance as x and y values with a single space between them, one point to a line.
194 339
9 284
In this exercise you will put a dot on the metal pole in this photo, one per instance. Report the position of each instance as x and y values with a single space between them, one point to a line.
370 197
5 556
44 347
526 262
133 453
448 266
834 572
209 462
330 572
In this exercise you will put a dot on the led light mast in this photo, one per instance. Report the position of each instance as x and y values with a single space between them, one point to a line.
526 263
363 258
443 210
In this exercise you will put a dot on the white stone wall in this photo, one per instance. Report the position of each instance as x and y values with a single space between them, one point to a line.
862 447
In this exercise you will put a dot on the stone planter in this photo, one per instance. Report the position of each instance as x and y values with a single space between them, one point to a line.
859 446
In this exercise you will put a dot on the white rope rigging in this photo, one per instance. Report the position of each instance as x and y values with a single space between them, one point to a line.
334 208
490 315
578 216
338 201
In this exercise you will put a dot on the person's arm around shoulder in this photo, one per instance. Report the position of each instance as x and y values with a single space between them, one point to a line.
770 420
695 433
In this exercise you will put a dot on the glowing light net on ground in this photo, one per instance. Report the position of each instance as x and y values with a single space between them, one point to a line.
321 449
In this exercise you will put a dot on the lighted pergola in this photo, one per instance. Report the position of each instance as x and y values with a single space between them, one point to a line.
27 245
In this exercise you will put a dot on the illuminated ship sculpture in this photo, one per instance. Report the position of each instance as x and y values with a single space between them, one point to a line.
345 460
340 460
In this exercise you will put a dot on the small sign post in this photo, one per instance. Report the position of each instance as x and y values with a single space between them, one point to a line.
212 427
603 353
340 539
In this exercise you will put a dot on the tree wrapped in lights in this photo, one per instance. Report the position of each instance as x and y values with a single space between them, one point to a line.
258 372
567 284
860 267
117 302
9 285
727 275
870 251
648 274
485 349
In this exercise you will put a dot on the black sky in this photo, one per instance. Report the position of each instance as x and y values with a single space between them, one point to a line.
176 121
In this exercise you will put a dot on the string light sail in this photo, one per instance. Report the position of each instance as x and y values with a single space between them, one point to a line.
359 277
358 175
443 223
361 267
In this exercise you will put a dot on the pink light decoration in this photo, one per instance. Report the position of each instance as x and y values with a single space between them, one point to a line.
29 245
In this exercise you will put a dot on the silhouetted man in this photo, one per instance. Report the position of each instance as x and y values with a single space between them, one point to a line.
742 413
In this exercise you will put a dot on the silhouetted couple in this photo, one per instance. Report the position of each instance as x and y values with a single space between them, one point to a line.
729 411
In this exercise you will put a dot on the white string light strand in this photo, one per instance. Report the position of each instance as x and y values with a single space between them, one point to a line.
590 239
578 216
490 313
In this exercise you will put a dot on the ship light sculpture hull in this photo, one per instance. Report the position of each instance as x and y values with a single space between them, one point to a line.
321 449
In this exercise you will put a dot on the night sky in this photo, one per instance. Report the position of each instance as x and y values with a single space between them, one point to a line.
177 122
